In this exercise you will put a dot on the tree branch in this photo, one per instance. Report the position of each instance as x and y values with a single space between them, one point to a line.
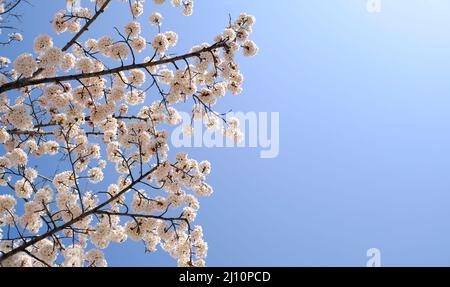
30 82
86 26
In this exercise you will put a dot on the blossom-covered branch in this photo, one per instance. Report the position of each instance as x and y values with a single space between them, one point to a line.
21 83
73 24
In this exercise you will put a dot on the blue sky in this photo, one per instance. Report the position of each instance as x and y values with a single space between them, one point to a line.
364 161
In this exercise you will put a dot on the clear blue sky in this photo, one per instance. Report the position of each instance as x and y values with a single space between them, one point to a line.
364 102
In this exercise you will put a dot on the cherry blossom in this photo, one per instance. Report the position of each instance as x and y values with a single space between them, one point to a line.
105 115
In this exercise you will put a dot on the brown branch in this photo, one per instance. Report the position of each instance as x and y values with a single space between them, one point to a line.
11 7
85 27
136 215
30 82
53 124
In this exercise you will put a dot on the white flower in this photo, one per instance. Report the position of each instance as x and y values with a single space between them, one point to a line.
20 117
25 65
229 35
73 26
59 24
138 44
189 213
31 174
188 130
16 37
137 9
85 65
4 135
172 37
51 147
136 77
4 62
155 19
44 195
202 249
91 45
4 162
165 76
7 203
119 51
17 157
42 43
104 45
205 167
51 57
188 8
95 258
135 97
23 189
68 62
95 175
133 29
160 43
176 3
249 48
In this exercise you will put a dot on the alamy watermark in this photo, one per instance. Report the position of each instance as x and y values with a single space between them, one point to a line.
374 255
257 129
373 6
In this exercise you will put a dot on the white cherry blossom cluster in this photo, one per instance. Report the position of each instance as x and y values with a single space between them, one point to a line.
93 106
